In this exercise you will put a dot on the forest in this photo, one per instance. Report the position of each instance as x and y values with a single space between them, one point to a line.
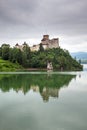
59 57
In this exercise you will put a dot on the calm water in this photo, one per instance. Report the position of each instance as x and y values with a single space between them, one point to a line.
43 101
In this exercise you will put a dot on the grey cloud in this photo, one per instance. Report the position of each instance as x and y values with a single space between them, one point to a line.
17 11
20 18
48 12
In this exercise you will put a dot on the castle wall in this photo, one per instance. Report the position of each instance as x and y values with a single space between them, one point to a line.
45 37
46 42
54 43
35 48
45 46
19 47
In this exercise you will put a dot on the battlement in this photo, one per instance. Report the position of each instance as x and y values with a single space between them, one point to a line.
45 37
49 43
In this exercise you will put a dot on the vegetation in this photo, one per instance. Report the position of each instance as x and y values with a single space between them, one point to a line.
25 82
8 66
60 58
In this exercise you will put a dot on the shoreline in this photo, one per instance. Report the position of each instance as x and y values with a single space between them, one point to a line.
34 69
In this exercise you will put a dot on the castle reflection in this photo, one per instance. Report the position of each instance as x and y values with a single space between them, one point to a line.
48 85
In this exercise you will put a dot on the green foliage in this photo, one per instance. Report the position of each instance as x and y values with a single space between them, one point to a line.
5 51
61 59
26 55
41 49
8 66
0 51
15 55
25 82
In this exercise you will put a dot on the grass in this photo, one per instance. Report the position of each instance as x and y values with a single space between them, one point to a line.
8 66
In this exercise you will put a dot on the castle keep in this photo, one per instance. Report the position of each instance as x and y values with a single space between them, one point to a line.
46 43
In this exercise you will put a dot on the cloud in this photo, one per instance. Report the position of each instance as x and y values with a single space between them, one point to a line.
23 19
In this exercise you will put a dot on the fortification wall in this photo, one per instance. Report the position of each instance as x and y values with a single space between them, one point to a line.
54 43
46 42
35 48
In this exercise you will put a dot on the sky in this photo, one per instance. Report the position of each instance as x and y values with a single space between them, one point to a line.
29 20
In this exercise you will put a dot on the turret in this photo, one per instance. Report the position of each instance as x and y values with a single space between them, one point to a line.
45 37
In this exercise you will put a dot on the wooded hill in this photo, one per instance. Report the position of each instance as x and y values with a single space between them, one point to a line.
60 58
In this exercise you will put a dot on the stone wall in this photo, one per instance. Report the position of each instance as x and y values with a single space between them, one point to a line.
35 47
54 43
46 42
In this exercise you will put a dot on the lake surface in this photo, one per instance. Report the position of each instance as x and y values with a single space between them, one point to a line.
43 101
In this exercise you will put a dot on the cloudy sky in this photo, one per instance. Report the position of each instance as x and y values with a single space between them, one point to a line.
29 20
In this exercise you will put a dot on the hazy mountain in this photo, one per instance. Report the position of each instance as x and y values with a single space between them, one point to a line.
79 55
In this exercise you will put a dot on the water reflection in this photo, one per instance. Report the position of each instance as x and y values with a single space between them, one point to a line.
48 85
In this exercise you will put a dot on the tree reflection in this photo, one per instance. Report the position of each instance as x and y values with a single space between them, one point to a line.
47 85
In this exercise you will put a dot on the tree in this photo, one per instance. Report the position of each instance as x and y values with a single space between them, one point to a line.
15 55
5 45
80 61
41 49
0 51
26 49
26 55
5 51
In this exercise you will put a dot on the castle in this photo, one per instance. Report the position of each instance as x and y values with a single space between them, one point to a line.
46 43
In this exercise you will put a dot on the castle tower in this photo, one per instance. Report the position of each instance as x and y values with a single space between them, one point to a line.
46 43
45 37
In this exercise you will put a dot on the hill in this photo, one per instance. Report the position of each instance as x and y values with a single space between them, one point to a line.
79 55
60 59
8 66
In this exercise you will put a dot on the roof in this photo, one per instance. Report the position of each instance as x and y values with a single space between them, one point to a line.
17 44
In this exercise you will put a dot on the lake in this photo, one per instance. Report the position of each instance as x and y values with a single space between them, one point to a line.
43 101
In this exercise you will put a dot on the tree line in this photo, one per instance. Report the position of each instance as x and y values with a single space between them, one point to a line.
38 59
